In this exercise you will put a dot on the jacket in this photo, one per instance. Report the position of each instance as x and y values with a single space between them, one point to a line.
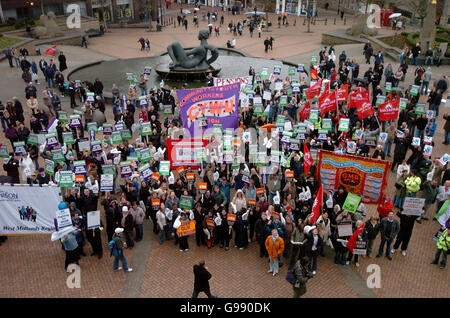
394 229
274 249
413 183
300 279
429 193
372 230
201 278
444 241
310 243
385 207
400 187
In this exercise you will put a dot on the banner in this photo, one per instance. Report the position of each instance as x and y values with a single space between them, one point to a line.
25 212
182 152
389 110
342 93
364 110
186 228
327 103
314 90
245 80
358 98
361 176
218 104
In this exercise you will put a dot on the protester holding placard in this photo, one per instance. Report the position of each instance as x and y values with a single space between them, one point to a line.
405 232
182 218
71 247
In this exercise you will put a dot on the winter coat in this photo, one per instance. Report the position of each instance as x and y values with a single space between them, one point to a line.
202 277
395 228
372 230
274 249
385 207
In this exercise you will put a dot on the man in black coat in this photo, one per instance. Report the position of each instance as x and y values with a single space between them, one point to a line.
401 148
12 168
201 280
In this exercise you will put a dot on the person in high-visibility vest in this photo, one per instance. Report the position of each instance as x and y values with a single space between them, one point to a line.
413 184
443 246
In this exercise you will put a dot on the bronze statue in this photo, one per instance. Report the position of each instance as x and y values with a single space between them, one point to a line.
195 59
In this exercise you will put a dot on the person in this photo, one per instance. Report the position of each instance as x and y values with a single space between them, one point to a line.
127 223
138 216
70 244
266 45
301 277
371 228
84 41
446 129
313 245
12 168
404 235
9 55
389 230
443 246
201 280
62 62
426 81
117 251
415 51
275 247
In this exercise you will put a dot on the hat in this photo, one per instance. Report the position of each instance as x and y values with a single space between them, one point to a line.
41 169
73 204
118 230
125 209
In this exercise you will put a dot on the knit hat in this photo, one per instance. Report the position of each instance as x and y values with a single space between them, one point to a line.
125 209
118 230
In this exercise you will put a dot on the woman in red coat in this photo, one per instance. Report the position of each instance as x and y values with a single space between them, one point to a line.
385 206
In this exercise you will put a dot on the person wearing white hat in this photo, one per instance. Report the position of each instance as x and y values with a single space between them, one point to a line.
117 246
128 225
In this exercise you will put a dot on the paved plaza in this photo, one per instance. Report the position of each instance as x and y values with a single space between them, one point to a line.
33 266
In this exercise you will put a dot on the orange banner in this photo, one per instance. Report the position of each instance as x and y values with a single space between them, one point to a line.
231 217
186 228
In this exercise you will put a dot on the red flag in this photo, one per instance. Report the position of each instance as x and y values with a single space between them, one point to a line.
304 113
352 240
342 93
307 159
313 74
317 205
333 76
364 110
358 98
51 51
389 110
314 90
327 103
326 89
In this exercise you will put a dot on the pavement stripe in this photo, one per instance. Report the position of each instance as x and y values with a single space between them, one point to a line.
132 287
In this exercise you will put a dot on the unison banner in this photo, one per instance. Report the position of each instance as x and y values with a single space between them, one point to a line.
245 80
23 210
183 152
217 104
358 175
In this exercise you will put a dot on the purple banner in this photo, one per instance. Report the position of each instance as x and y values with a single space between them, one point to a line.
218 104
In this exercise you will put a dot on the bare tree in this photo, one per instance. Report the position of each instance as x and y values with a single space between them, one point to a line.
268 7
419 8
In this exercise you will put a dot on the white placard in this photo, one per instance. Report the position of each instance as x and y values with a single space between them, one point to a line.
267 95
416 142
63 219
93 219
413 206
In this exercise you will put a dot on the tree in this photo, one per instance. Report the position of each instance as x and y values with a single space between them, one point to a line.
268 7
419 8
2 18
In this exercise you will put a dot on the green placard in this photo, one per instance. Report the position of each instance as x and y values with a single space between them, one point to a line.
63 117
265 72
92 125
326 124
292 71
283 100
146 128
314 115
258 109
414 90
420 109
217 130
343 124
164 168
57 155
49 167
108 169
380 99
248 89
186 202
351 202
145 155
116 137
66 179
313 59
33 139
200 155
167 110
68 138
126 134
280 121
388 87
403 103
4 151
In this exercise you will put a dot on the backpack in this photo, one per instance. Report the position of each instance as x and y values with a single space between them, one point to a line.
113 247
290 276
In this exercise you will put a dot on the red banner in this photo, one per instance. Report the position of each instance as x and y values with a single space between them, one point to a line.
365 110
342 93
51 51
181 152
314 90
304 113
327 103
357 98
389 110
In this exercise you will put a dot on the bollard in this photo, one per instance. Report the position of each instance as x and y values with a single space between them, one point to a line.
325 21
345 21
334 21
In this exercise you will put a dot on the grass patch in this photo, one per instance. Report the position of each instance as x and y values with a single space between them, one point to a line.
6 41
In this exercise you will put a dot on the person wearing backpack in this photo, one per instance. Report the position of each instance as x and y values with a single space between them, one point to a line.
301 277
116 245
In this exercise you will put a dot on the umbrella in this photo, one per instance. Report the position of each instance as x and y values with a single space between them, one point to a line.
395 15
255 13
185 11
267 126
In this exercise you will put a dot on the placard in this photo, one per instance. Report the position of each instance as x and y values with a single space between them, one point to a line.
66 179
107 129
420 109
382 138
427 149
4 151
63 117
186 202
351 202
57 155
414 90
146 172
360 248
345 229
75 121
413 206
164 168
326 124
49 167
33 139
63 218
116 137
344 124
186 228
83 144
67 137
93 219
125 169
79 167
106 182
19 148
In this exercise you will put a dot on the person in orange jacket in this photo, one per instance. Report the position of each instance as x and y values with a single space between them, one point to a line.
385 206
275 247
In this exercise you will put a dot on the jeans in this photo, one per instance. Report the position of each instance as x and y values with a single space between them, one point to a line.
36 163
370 246
428 58
129 238
436 108
414 60
387 147
273 264
388 247
17 61
143 90
121 258
50 82
419 133
139 232
10 61
398 202
160 236
411 194
313 257
4 120
447 136
424 89
438 255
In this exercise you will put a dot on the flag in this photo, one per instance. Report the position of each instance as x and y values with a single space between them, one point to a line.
342 93
444 213
328 103
307 159
358 98
389 110
318 201
326 89
352 240
304 113
313 75
364 110
333 76
51 51
313 90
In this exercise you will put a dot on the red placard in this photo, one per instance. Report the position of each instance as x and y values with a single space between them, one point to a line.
231 217
190 176
260 191
79 178
251 202
155 176
156 202
289 174
202 186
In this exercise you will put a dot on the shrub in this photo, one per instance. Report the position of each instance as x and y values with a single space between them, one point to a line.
11 21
